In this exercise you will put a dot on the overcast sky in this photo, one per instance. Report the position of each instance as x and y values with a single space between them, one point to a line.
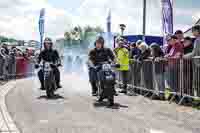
19 18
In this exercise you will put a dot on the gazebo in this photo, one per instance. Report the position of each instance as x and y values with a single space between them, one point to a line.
189 31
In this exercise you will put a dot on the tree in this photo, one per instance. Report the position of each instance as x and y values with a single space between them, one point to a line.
98 29
88 29
67 35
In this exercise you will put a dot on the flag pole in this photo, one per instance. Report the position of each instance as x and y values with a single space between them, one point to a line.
41 42
144 19
41 26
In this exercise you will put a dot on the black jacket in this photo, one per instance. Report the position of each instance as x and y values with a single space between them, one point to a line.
144 55
49 55
101 55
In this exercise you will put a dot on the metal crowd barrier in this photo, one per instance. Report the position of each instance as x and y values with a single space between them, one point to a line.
13 67
180 76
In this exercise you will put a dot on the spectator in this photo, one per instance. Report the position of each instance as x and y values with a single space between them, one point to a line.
174 55
196 50
187 66
167 47
146 66
138 43
5 47
134 51
157 55
179 34
176 48
145 51
4 54
195 53
122 58
13 51
188 45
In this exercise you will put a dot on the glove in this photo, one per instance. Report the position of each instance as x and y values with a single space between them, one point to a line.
117 65
36 66
59 65
53 66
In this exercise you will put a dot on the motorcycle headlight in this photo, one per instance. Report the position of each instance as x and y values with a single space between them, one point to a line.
47 66
106 67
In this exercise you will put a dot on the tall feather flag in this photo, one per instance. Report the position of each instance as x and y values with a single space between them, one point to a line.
167 18
41 25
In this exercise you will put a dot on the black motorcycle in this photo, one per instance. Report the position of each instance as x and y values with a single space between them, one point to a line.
106 81
49 78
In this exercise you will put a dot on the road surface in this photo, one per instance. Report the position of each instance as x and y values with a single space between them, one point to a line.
75 111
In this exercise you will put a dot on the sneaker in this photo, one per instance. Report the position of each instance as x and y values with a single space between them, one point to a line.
110 104
123 91
116 94
59 86
100 100
42 88
94 94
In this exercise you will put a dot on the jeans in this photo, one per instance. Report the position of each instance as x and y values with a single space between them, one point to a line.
125 79
56 73
160 82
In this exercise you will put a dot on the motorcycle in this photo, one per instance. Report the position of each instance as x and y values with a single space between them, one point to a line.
49 78
105 80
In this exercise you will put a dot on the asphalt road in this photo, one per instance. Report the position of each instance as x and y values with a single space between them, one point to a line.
75 112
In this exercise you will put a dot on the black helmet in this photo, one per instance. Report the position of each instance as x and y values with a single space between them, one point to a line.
100 40
49 41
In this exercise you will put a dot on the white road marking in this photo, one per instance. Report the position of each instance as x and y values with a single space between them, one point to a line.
6 121
156 131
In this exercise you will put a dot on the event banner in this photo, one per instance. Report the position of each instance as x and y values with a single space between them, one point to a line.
167 18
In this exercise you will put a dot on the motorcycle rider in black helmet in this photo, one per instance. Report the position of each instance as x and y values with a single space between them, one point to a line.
50 55
96 56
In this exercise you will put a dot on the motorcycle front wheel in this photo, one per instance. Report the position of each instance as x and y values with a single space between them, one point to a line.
50 85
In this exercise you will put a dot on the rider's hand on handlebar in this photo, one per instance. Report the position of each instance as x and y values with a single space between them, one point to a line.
59 65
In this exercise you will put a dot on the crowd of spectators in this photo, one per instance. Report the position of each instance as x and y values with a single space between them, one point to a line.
167 62
14 60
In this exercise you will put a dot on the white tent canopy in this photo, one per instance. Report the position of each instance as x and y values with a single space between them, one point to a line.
189 31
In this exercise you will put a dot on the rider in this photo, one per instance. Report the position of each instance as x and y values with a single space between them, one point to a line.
50 55
98 55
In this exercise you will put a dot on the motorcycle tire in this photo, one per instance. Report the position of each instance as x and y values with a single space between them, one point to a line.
50 85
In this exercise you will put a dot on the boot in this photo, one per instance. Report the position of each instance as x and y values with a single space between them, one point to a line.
111 102
124 89
42 86
58 85
94 88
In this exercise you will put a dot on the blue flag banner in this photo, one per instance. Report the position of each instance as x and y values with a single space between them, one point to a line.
41 25
167 18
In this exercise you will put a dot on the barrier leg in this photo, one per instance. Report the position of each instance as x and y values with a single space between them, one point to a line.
172 99
181 100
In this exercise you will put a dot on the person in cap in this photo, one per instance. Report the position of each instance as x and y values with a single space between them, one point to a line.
50 55
96 56
194 55
159 64
122 58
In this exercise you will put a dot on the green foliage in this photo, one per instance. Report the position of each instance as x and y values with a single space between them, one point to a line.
85 33
6 39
